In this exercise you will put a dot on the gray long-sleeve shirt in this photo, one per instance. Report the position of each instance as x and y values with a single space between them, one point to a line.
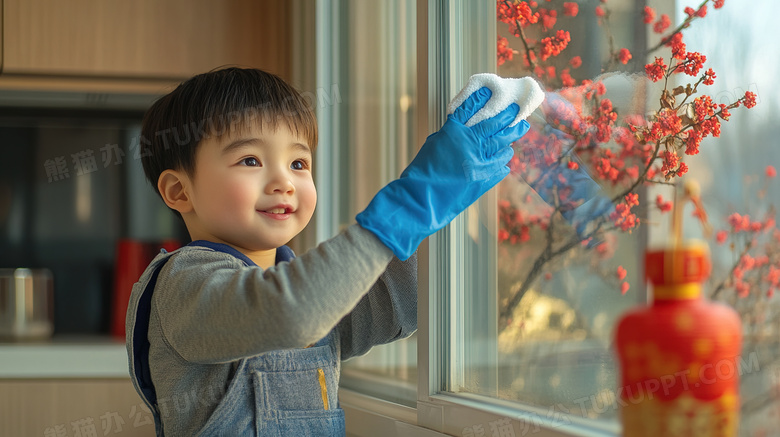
210 309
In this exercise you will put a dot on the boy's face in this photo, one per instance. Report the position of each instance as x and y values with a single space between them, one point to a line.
252 190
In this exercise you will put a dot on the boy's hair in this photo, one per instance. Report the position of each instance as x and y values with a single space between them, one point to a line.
219 102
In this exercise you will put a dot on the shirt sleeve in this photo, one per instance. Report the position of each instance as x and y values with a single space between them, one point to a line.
388 312
212 308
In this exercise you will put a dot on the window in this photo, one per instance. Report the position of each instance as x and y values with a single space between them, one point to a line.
366 141
536 359
535 308
541 354
506 342
736 172
381 77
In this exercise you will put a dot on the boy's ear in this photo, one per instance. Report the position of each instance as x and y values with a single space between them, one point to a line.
173 190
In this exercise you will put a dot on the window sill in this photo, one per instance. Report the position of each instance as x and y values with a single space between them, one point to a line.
456 414
367 416
385 389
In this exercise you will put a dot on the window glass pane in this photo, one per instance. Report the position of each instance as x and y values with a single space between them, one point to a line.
735 173
539 296
379 91
533 312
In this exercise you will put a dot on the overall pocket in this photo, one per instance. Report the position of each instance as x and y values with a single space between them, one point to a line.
300 402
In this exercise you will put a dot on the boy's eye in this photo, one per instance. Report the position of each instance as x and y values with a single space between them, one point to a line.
299 165
250 162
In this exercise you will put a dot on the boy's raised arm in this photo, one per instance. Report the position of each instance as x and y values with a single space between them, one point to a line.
287 306
388 312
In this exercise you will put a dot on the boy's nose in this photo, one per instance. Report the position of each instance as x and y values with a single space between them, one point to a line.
280 183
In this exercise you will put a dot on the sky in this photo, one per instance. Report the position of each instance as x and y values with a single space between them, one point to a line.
739 42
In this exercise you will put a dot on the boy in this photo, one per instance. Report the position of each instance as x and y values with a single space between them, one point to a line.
234 335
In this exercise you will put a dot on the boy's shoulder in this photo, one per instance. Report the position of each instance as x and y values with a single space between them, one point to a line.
172 276
208 251
200 256
202 251
192 260
200 261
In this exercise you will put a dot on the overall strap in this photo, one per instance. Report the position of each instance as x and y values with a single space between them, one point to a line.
141 341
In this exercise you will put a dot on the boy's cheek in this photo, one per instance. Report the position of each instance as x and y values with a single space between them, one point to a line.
314 194
232 199
311 196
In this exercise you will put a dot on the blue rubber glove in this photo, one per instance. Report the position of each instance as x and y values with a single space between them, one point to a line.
454 167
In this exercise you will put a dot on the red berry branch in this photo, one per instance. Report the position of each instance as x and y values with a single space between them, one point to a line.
579 129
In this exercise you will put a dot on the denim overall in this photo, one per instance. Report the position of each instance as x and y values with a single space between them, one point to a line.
292 392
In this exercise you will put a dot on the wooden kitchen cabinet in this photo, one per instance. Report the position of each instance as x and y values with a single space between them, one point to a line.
73 407
140 41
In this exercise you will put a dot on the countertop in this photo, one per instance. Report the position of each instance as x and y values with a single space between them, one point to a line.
64 357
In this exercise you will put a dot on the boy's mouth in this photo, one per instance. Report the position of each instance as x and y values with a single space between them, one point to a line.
278 210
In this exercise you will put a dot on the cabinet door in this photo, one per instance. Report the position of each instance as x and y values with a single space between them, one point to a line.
84 407
151 39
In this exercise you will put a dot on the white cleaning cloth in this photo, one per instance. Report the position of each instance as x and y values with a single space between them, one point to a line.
523 91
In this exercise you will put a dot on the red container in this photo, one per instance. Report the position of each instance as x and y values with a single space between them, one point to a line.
132 258
679 357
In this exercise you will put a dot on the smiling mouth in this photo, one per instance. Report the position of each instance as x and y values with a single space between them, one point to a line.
278 212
